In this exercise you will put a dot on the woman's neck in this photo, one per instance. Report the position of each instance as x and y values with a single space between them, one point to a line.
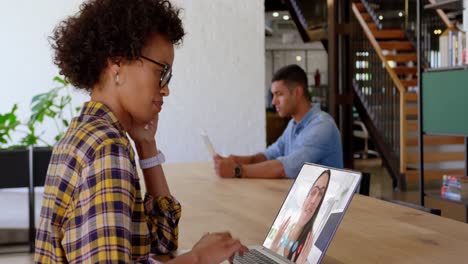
99 94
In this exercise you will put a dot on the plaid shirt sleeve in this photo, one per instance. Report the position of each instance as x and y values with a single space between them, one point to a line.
92 209
102 230
163 221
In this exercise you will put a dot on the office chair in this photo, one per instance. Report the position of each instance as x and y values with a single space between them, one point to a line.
360 131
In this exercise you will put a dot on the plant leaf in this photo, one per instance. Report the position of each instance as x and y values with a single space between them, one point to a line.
60 80
38 97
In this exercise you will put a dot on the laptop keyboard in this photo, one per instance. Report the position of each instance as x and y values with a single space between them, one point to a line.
253 257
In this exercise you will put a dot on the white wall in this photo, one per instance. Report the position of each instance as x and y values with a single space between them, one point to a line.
26 68
218 82
465 20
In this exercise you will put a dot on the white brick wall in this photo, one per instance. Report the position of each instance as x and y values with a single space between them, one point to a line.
218 82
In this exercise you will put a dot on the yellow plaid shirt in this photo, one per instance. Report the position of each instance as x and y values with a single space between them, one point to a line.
92 209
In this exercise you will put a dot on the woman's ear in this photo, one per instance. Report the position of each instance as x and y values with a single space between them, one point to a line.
113 70
114 64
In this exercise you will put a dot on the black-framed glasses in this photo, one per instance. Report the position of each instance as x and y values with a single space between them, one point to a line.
166 73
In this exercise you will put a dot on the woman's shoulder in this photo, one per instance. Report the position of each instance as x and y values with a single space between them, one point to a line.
103 131
86 138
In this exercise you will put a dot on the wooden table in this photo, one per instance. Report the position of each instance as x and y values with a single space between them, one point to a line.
372 231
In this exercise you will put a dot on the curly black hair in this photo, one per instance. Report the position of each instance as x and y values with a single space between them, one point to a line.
110 29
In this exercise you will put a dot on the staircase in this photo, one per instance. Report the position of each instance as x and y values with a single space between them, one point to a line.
444 154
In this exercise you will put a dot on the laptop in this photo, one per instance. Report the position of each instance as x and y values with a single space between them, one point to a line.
308 218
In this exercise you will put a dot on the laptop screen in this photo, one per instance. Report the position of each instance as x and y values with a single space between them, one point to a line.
311 213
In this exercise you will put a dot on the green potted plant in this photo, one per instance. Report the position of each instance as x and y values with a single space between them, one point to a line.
53 105
50 105
15 157
14 161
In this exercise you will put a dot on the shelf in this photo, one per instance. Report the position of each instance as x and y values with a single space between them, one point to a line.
443 134
454 68
437 195
442 89
455 14
446 5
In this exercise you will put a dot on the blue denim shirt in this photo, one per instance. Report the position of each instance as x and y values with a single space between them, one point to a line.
314 139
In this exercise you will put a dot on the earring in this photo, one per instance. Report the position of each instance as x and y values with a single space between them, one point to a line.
116 79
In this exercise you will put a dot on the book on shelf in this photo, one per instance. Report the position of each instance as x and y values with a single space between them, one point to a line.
452 47
462 40
454 187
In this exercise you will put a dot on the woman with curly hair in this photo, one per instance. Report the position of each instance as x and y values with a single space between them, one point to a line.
121 52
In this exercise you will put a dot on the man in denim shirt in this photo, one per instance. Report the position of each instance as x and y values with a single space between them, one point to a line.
311 135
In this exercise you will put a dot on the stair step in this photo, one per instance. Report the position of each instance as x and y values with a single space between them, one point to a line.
411 97
402 57
435 140
409 83
366 17
396 45
435 157
389 34
360 7
372 26
412 125
411 110
432 175
403 70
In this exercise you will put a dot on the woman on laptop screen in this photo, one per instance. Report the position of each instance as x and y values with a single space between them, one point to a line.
297 243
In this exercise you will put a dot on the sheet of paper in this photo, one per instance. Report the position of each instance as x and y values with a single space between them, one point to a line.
208 144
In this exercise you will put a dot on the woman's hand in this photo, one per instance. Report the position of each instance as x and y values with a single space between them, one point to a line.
144 137
217 247
305 249
141 133
275 245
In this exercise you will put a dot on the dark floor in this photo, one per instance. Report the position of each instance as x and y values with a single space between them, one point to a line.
381 182
381 186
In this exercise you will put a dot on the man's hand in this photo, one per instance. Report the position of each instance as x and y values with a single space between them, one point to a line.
224 167
236 159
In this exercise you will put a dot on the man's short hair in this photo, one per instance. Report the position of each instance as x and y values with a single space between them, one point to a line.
293 75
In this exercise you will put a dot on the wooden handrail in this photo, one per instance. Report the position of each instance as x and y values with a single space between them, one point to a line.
378 50
442 14
396 81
